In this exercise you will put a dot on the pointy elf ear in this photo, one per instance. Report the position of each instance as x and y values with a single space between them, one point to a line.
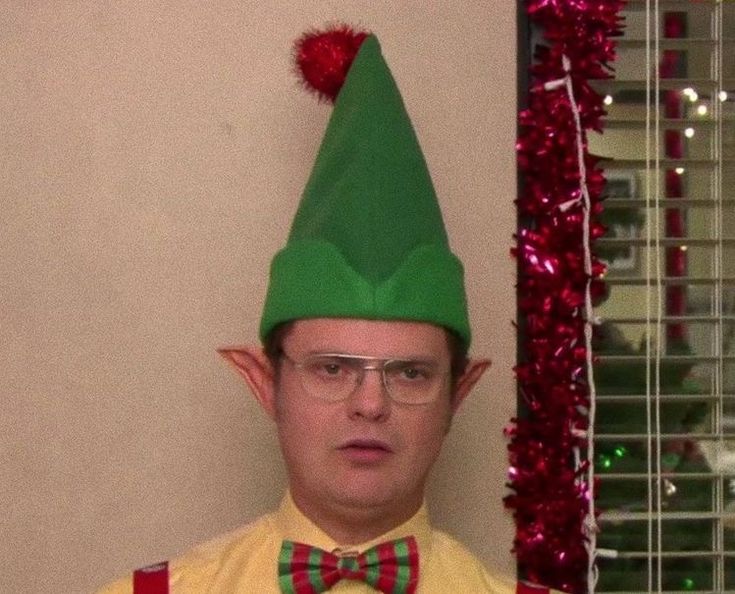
256 369
474 370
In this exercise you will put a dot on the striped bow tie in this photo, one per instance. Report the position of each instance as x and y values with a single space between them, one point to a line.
391 567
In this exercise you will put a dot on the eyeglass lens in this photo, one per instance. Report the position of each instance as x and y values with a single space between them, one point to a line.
336 377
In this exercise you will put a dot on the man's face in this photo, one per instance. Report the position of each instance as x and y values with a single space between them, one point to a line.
366 451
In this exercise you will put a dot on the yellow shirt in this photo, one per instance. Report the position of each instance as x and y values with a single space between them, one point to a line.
245 561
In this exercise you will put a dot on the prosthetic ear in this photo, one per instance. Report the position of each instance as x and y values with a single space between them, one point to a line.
255 367
473 372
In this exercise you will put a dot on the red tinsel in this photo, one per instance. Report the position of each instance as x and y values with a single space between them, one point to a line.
550 501
324 57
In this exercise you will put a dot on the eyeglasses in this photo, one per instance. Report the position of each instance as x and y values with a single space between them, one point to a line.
336 376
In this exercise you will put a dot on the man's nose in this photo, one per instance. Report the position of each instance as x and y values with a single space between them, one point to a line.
370 400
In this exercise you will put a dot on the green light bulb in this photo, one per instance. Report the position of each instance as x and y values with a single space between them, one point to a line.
620 451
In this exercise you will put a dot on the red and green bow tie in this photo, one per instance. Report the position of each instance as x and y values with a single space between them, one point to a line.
391 567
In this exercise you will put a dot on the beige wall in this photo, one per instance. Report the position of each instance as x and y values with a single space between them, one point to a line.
152 154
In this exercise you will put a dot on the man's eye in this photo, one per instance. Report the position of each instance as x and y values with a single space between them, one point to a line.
327 368
411 372
331 368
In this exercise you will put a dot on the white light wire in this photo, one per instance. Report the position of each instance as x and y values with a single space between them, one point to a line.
589 528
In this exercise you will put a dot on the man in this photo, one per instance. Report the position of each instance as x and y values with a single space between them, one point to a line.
363 365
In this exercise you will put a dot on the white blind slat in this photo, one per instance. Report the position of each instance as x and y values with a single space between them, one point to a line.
639 202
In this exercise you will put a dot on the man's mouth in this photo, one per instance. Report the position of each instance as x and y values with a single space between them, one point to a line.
365 451
366 444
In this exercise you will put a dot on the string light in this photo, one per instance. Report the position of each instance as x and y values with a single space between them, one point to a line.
722 95
679 171
608 100
589 525
702 109
691 94
689 132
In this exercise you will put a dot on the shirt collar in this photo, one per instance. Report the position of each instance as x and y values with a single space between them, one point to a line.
294 525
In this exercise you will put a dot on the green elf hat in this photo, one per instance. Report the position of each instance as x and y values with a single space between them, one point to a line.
368 240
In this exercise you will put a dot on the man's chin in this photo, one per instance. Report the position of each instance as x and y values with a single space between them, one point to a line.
375 496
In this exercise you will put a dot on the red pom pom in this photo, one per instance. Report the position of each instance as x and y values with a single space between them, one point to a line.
324 58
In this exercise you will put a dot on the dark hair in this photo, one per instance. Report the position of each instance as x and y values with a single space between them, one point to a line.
457 349
273 343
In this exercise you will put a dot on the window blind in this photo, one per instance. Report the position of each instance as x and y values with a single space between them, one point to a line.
665 435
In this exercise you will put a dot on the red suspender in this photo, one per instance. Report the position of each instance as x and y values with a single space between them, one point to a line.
151 580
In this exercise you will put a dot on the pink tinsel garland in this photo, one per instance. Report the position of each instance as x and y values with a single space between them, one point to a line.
549 501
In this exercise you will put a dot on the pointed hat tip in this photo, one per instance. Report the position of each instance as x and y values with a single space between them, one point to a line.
323 58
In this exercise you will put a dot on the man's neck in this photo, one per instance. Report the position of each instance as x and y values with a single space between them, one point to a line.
349 525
